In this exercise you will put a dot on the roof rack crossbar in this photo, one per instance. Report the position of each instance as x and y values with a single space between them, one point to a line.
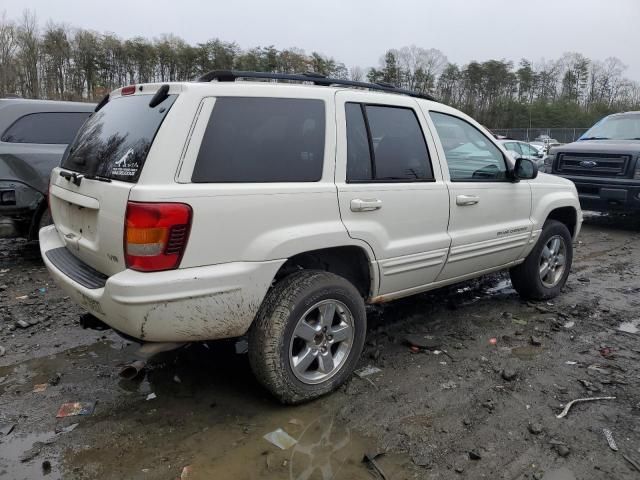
315 78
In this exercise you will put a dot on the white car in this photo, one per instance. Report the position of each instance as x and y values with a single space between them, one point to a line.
525 150
215 209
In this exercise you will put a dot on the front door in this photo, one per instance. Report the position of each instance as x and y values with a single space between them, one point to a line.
390 187
490 214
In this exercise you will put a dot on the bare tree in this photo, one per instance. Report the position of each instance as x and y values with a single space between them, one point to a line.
8 47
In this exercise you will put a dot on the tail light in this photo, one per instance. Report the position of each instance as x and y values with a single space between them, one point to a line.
636 174
156 235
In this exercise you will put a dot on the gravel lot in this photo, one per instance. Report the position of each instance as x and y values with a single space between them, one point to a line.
480 402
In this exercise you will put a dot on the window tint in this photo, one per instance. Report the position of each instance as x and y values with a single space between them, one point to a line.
358 153
115 141
470 155
262 140
395 142
46 127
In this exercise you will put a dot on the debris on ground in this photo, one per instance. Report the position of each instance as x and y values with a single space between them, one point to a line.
40 387
2 350
635 464
152 396
6 429
493 341
609 436
368 370
186 473
509 374
535 341
474 455
535 428
562 450
75 408
32 453
370 459
606 352
424 342
280 439
578 400
46 467
67 429
450 385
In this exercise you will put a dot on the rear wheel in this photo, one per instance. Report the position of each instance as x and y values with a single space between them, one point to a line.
545 270
308 335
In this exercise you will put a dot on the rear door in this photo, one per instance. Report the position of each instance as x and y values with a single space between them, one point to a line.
88 194
34 143
390 188
490 215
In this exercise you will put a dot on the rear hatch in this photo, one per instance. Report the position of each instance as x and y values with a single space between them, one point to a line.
89 192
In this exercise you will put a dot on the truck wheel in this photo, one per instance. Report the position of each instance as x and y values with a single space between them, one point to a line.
545 270
308 335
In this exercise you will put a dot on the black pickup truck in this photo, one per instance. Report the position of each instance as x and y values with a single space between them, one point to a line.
604 164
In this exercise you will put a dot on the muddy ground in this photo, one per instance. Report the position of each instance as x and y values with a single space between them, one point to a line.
473 408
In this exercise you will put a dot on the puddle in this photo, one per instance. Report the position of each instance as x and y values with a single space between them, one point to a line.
16 445
630 327
526 352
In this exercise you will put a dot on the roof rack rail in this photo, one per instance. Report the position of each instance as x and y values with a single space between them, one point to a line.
313 77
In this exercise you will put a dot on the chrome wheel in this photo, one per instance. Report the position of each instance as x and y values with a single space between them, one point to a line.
553 260
321 342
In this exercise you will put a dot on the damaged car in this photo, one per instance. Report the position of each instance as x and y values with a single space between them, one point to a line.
33 137
197 211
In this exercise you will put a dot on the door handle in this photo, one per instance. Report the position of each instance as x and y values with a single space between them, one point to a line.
466 200
365 205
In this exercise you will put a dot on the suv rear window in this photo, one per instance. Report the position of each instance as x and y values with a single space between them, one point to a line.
45 128
255 139
114 142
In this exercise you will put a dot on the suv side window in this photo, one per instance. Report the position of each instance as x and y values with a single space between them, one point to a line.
256 139
46 128
471 156
385 144
528 150
513 147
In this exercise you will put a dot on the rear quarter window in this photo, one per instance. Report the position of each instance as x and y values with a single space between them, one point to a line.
46 128
254 139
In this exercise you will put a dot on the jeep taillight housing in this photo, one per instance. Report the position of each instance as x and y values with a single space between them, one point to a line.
155 235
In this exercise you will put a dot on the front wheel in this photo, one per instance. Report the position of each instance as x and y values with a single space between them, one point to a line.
308 336
545 270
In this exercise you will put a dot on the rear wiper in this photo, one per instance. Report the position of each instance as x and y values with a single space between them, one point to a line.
72 177
595 138
634 138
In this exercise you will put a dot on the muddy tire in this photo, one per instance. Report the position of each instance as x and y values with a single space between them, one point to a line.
545 270
308 335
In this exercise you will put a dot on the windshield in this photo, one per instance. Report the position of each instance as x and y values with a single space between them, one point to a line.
114 142
617 127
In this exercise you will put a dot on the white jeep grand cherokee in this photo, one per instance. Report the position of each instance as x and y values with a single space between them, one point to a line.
214 209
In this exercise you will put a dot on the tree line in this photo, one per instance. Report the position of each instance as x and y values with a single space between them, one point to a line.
56 61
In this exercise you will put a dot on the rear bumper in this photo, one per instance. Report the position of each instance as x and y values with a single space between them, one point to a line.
191 304
608 195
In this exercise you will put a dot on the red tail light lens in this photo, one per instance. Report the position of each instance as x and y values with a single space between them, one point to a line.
156 235
128 90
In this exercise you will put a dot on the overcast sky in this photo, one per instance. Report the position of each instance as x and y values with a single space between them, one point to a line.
357 32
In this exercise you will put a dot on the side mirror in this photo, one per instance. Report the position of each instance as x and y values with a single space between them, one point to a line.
525 169
539 154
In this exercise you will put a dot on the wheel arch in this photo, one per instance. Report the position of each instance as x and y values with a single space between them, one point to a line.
352 262
566 215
